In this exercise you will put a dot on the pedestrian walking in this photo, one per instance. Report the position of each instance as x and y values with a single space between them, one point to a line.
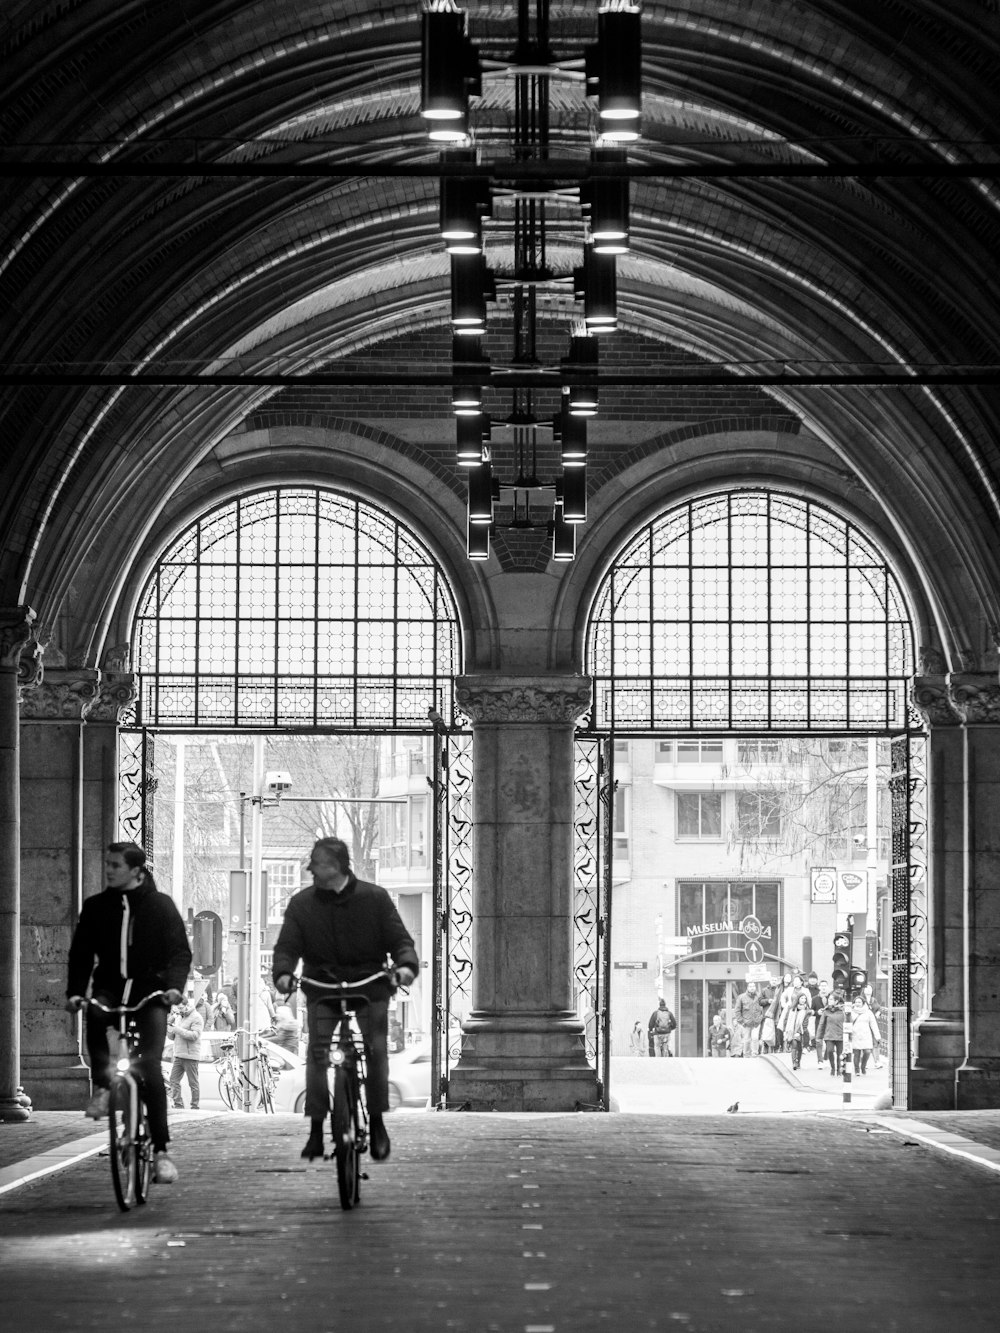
865 1035
830 1030
719 1038
636 1041
661 1024
185 1027
796 1029
748 1015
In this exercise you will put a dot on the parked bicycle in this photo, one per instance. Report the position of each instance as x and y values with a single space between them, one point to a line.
235 1080
131 1145
348 1058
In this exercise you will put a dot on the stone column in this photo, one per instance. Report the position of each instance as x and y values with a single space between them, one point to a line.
52 834
976 698
16 666
523 1048
940 1036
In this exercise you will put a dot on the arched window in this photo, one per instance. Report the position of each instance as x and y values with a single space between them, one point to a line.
750 610
295 607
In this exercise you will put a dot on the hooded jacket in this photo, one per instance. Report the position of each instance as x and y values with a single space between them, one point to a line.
343 936
137 934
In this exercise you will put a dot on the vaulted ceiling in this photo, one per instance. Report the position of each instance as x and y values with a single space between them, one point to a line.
125 248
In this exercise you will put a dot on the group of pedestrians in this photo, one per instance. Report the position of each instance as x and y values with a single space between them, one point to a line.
803 1014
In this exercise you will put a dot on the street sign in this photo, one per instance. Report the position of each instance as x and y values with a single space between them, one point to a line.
633 967
754 951
677 947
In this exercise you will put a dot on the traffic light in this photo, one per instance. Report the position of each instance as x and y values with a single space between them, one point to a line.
857 979
841 974
206 944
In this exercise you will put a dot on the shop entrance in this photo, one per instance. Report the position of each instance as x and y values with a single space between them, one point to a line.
701 1000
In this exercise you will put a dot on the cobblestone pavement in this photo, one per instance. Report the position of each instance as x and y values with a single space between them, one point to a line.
521 1224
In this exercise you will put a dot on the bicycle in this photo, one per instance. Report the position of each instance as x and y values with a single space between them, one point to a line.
234 1074
131 1146
349 1117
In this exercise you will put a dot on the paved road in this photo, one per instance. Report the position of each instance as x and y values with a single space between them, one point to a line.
522 1224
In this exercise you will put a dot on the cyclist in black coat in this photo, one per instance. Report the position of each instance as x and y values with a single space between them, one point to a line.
130 941
342 929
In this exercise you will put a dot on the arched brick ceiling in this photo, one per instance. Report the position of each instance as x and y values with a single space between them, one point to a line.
297 271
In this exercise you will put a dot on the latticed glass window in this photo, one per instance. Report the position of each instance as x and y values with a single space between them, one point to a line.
283 879
750 611
295 607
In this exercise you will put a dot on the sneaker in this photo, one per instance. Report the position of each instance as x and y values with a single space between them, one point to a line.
97 1107
314 1145
164 1171
379 1140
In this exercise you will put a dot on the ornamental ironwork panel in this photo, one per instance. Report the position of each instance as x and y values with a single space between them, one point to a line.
295 607
750 611
136 787
592 853
453 903
908 958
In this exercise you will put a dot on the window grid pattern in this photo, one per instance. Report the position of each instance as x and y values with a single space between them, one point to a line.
750 611
295 607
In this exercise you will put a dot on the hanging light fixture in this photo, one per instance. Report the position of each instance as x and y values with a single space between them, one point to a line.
596 284
563 537
465 201
450 74
604 200
469 436
469 369
574 495
570 432
470 286
580 370
613 71
481 493
477 541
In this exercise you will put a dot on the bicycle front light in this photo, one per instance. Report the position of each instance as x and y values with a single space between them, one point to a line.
337 1056
123 1064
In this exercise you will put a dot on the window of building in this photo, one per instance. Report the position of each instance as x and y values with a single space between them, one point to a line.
699 814
283 879
699 752
758 752
758 815
711 913
621 824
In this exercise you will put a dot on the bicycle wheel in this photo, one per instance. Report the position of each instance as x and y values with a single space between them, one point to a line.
266 1088
124 1164
227 1087
144 1155
345 1136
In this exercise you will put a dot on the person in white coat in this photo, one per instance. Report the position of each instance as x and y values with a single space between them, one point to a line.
865 1035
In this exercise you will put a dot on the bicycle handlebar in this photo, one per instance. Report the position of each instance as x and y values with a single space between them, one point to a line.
383 974
119 1009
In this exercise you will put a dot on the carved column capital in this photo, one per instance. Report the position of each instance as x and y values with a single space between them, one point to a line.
975 696
511 699
16 633
119 691
932 700
65 694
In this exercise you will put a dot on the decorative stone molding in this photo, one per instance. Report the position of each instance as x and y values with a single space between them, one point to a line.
16 626
931 661
975 696
64 695
118 660
931 699
119 691
499 699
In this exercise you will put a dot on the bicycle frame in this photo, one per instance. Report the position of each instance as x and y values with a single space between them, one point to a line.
349 1114
131 1149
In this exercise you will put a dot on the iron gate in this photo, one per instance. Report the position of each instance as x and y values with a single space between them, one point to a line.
592 851
908 886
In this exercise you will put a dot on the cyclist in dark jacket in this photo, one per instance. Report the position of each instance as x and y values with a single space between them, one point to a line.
130 941
342 929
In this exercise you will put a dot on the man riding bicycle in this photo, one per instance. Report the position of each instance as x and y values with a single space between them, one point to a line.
129 942
342 928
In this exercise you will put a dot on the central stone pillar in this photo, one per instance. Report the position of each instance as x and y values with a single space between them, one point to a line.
523 1044
940 1035
976 698
17 667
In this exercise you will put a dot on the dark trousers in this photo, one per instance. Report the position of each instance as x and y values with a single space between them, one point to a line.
373 1019
180 1067
833 1053
151 1024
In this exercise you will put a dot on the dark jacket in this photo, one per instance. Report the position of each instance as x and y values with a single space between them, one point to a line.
157 952
831 1023
343 936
